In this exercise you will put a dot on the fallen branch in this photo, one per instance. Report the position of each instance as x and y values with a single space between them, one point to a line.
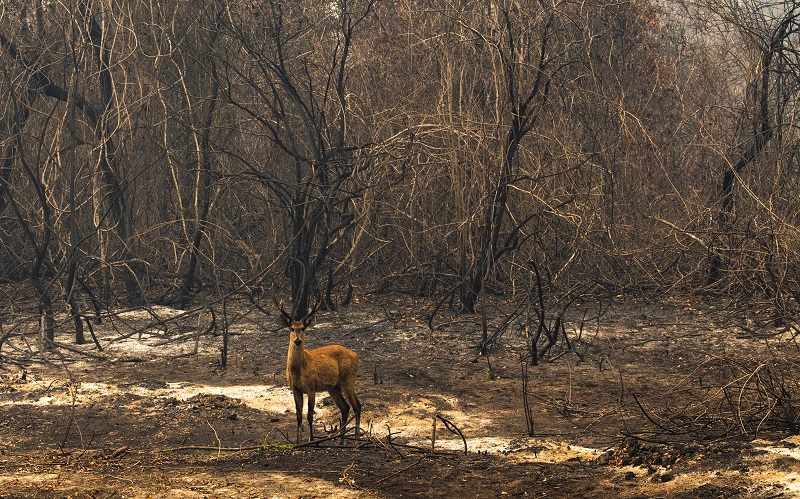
649 418
77 350
315 443
453 429
211 447
401 471
122 450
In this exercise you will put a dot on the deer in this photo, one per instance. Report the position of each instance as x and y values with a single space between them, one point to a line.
332 368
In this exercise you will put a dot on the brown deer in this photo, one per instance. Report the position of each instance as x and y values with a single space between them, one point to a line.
332 368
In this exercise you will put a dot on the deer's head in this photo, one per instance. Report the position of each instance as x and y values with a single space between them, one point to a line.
297 328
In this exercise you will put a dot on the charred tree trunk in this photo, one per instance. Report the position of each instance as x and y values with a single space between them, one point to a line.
41 249
305 112
205 182
300 270
762 134
525 109
107 165
70 288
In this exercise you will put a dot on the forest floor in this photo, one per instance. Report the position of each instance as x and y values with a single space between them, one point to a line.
645 406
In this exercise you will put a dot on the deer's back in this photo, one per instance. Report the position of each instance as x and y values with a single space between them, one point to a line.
346 360
337 364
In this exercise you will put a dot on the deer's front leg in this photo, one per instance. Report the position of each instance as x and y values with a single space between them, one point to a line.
298 408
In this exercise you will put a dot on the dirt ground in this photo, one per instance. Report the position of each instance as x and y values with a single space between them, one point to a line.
632 416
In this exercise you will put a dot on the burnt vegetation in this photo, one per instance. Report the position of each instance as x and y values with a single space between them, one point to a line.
520 164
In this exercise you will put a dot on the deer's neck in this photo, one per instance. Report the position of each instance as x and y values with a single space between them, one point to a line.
295 358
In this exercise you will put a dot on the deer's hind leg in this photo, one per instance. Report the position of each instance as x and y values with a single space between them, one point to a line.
350 392
311 401
341 403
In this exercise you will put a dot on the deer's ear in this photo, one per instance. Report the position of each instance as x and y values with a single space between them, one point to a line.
309 320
